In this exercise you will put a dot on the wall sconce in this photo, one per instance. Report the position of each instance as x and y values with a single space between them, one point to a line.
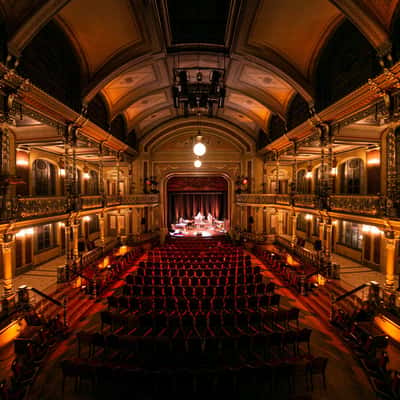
61 166
24 232
150 185
373 158
86 174
242 184
86 218
334 167
309 171
371 229
309 217
22 159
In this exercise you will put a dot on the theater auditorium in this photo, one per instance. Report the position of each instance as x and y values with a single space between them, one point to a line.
199 199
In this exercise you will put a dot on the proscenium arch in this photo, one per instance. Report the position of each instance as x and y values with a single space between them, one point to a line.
173 125
164 192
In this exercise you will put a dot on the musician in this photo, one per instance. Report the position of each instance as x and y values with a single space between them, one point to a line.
210 218
181 220
199 217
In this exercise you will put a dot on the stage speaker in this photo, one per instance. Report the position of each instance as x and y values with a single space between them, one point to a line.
318 245
251 220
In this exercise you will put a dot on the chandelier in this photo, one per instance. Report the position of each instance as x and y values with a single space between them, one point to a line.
198 89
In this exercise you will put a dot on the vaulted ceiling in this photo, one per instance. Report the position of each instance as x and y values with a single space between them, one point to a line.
127 50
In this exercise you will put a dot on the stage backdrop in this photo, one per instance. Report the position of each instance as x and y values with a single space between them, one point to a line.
189 195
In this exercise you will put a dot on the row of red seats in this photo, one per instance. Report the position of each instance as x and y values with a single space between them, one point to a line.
192 304
248 289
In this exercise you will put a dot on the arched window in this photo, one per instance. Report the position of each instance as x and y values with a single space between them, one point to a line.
302 182
350 175
93 183
44 175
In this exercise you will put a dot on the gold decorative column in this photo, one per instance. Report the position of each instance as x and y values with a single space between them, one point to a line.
294 226
102 230
75 239
390 246
7 245
328 242
321 235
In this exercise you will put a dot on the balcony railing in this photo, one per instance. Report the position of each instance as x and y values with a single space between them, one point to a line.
306 200
282 199
39 206
357 204
88 202
256 198
132 199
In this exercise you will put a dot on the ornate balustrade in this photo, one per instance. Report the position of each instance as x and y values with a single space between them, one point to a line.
95 201
305 200
282 199
256 198
140 199
356 204
39 206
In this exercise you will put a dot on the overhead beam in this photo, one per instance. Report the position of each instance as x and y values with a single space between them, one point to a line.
29 29
367 23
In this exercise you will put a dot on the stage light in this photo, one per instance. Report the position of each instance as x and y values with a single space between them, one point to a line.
197 163
245 181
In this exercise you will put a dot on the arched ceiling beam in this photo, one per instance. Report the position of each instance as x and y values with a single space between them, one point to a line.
264 98
150 49
136 94
265 56
170 126
28 30
179 131
207 132
249 114
367 23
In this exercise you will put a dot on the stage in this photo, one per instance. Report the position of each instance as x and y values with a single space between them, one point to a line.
198 232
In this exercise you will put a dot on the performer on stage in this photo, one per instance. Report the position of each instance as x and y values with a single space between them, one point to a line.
199 217
210 218
180 220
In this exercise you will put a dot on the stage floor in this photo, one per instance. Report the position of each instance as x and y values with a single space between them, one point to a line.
198 232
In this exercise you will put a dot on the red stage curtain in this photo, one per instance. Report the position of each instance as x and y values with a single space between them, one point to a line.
187 205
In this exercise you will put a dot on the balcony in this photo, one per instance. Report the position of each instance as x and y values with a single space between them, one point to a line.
88 202
40 206
356 204
140 199
132 199
306 200
256 198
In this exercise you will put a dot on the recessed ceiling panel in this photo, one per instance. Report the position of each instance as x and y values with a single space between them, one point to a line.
198 21
293 28
267 82
145 104
127 82
102 28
